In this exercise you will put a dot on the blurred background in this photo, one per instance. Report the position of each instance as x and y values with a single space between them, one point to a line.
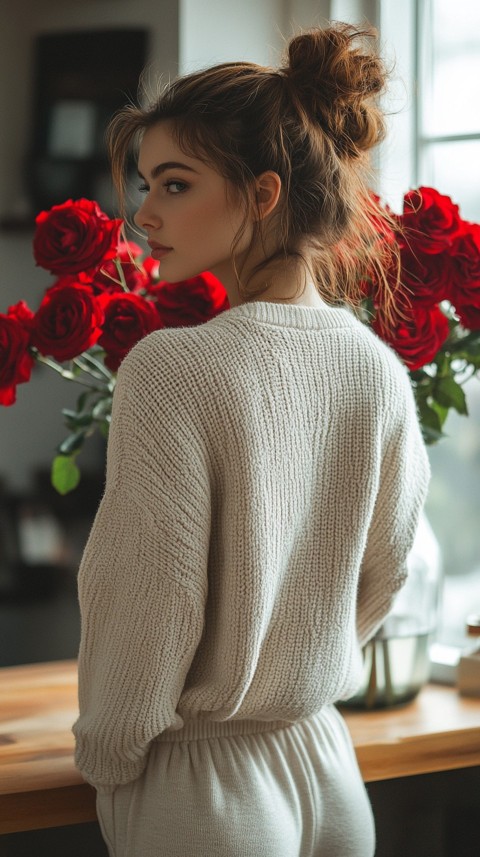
65 67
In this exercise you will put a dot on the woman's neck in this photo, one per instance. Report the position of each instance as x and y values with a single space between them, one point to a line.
281 282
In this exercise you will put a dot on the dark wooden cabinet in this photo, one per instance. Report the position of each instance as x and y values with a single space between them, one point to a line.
81 79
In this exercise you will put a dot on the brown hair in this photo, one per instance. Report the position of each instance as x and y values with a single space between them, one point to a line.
312 121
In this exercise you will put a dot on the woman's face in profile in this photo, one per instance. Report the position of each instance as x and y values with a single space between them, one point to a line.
189 220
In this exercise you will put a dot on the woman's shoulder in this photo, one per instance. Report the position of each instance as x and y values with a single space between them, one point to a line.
381 351
177 345
172 368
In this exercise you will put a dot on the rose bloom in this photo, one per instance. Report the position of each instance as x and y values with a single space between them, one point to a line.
15 360
469 315
75 237
136 277
466 267
416 338
127 319
67 321
431 219
190 302
152 267
426 277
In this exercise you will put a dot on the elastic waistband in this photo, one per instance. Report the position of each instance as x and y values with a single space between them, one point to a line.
197 729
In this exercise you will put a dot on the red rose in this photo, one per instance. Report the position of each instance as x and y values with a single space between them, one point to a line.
152 267
432 220
128 318
107 278
190 302
427 277
469 316
416 338
128 250
136 278
152 270
466 267
67 321
22 313
74 237
15 360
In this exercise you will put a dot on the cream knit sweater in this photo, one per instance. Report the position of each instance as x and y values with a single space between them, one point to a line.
265 476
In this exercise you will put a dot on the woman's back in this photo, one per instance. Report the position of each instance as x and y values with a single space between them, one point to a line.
274 458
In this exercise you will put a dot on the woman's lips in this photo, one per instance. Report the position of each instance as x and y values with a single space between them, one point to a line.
158 250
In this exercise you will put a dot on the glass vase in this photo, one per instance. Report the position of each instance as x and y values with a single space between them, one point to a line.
396 659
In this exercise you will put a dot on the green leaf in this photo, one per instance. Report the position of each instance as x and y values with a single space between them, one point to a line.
418 376
470 340
102 408
74 369
431 420
75 420
65 474
440 410
429 417
104 428
449 394
82 400
470 353
72 443
431 435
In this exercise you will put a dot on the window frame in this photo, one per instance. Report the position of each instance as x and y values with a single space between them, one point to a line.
422 140
444 658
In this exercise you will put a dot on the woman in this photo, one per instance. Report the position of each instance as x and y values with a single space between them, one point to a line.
265 474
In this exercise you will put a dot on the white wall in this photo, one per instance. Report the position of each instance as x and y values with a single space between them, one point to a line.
215 31
356 11
397 28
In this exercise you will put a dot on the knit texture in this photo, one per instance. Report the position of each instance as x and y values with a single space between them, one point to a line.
265 476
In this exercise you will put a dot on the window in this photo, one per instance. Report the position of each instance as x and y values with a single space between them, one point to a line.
447 157
448 106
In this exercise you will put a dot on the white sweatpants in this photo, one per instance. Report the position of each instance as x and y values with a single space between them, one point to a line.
291 791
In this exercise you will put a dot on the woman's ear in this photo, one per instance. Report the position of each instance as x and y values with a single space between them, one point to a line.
268 187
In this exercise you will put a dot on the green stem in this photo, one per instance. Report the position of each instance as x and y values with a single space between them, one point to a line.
102 374
121 275
89 358
89 370
69 376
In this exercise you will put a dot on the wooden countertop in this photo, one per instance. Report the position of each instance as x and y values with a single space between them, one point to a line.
39 786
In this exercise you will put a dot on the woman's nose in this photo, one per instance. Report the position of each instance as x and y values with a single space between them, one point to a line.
145 217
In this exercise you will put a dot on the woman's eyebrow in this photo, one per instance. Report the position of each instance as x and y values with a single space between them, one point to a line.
167 165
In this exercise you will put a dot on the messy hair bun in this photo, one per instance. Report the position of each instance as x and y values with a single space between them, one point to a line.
313 122
336 74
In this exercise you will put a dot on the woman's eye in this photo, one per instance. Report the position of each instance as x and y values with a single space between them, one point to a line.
175 187
143 188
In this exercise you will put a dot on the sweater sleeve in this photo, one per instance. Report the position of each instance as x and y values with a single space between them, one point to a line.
403 479
142 581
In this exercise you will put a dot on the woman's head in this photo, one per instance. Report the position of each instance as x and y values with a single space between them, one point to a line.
311 123
191 213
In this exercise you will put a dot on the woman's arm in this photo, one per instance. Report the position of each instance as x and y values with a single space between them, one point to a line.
143 577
